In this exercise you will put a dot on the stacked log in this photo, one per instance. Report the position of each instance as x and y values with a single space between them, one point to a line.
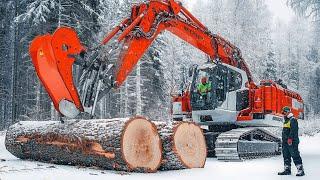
135 144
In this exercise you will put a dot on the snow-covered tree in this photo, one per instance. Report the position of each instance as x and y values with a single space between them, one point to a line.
314 91
308 8
270 71
246 24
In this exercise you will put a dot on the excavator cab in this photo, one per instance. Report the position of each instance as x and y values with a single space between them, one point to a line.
204 99
227 86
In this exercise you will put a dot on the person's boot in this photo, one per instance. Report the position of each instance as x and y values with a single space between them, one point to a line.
287 171
300 170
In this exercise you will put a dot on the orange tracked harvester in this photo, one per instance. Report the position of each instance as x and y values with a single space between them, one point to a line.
232 108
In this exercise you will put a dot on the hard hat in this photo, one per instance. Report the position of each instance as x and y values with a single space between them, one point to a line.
286 109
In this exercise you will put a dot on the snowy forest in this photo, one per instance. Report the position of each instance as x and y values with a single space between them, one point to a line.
272 48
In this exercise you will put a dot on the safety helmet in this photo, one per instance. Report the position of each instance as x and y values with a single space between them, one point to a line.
286 109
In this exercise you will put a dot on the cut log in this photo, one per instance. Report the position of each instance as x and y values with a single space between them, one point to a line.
141 146
184 145
117 144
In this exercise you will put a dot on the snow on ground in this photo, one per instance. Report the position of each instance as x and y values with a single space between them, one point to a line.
262 169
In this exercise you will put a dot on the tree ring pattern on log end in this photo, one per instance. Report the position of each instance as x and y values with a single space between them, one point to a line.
141 145
190 145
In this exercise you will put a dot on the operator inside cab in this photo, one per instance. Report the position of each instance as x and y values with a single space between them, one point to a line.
204 87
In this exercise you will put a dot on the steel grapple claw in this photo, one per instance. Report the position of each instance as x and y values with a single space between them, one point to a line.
53 57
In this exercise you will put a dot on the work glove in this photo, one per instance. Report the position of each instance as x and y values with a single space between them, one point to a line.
289 141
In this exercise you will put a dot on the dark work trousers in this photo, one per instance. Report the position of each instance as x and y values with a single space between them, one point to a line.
291 151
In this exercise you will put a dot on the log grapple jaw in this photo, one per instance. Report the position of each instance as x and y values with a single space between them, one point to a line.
53 57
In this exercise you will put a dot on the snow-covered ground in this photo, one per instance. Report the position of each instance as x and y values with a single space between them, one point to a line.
258 169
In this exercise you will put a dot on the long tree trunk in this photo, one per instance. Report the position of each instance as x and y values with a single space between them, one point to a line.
117 144
135 144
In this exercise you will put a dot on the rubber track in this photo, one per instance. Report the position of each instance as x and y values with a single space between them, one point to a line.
236 144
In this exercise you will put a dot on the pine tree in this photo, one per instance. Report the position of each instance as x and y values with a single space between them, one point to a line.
313 55
306 7
270 71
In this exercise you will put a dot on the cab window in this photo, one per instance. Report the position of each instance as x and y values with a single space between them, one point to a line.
235 80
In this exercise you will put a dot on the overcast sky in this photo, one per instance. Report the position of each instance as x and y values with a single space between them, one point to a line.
280 10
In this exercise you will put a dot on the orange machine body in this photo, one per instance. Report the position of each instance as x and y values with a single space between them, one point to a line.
267 98
270 98
51 58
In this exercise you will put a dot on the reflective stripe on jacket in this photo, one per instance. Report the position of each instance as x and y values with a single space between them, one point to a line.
290 129
287 124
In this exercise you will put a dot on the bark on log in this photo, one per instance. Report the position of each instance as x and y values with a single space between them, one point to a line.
118 144
184 145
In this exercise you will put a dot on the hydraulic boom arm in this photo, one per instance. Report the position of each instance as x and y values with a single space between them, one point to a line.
136 33
148 20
